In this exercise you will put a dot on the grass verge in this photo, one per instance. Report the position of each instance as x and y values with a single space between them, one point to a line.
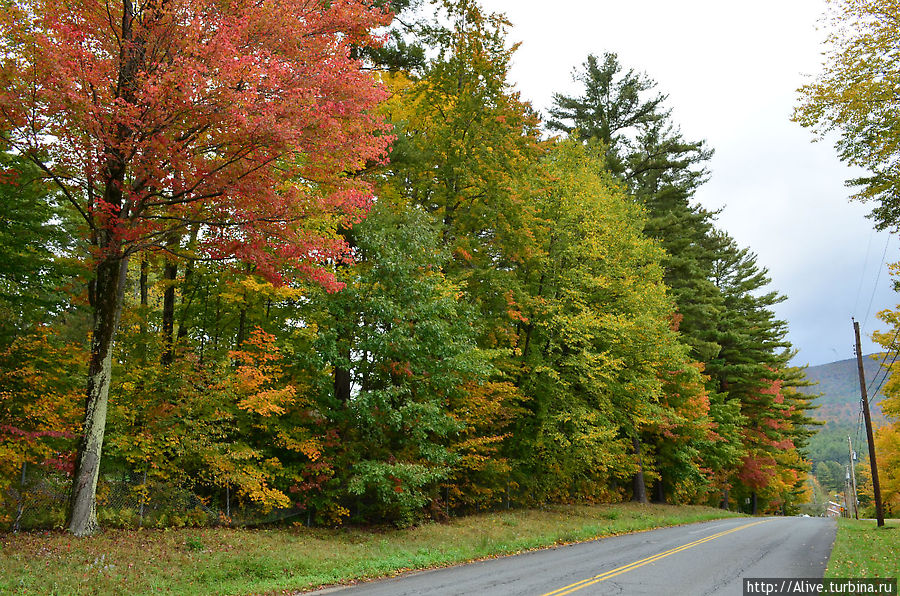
863 550
238 561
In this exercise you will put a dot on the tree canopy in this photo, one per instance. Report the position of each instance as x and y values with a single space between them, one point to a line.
310 269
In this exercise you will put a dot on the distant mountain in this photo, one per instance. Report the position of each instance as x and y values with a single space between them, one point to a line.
838 384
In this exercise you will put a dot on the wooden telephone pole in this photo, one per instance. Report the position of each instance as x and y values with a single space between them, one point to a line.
879 510
853 479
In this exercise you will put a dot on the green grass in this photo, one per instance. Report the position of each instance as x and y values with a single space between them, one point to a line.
238 561
863 550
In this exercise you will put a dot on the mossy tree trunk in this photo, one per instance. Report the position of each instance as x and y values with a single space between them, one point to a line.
106 293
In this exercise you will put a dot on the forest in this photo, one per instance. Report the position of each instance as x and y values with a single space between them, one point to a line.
324 260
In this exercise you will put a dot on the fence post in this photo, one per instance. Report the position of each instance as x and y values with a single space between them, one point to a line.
143 499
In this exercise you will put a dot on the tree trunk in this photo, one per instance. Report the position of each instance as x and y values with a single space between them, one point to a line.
218 325
143 500
145 271
755 506
242 329
639 488
188 285
170 274
106 294
726 497
659 490
342 378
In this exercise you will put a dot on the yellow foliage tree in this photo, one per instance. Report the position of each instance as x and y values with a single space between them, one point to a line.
887 446
857 94
39 413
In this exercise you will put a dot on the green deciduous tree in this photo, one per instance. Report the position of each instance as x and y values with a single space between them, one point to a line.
407 345
623 112
467 152
604 367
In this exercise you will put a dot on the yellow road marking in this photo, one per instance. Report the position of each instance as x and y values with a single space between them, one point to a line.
619 570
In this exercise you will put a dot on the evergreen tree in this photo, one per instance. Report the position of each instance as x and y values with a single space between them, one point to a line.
753 369
613 110
752 338
622 112
724 312
402 50
35 241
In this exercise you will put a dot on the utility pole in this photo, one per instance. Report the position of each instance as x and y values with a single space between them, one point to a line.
853 479
847 493
879 510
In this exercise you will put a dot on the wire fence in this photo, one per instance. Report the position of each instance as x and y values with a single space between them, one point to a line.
130 500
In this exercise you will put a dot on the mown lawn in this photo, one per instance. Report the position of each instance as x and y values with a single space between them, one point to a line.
863 550
240 561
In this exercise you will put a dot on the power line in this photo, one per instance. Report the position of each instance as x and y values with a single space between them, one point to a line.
862 276
877 278
886 371
877 372
891 345
859 418
882 367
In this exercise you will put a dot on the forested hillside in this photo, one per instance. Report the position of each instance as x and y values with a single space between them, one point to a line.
837 385
285 265
838 407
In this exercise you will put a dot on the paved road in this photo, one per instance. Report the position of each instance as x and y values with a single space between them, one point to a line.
699 559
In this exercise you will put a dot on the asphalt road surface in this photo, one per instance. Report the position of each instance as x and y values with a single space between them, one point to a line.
698 559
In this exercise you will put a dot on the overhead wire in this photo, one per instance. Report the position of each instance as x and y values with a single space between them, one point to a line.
881 364
877 279
884 377
870 395
891 346
862 275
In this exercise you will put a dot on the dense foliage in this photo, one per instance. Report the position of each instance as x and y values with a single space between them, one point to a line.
493 317
887 437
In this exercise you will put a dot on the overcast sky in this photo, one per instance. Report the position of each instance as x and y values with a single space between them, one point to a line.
731 71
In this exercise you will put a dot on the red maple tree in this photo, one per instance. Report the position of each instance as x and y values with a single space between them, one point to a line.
240 118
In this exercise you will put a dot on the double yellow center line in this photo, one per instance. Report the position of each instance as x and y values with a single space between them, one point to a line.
620 570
